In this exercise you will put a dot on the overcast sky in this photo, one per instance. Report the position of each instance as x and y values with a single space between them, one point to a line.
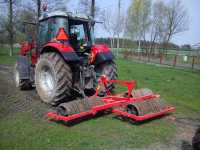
192 36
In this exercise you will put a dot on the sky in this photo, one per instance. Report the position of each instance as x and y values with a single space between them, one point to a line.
191 36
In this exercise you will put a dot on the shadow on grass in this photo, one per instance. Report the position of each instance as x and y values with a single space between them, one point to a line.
138 123
82 119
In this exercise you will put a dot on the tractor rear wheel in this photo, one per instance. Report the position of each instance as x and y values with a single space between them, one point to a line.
109 69
53 78
22 84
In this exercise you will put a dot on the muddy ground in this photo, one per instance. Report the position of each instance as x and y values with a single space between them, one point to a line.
13 100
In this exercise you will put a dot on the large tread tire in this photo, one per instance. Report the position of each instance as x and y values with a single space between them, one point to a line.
109 69
21 84
61 76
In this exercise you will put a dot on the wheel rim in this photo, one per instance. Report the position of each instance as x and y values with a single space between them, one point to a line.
46 80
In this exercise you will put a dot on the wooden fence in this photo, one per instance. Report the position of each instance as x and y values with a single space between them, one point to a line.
175 58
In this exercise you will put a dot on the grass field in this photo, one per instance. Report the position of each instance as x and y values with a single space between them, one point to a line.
179 87
5 58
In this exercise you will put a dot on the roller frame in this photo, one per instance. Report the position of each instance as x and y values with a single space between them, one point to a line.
115 103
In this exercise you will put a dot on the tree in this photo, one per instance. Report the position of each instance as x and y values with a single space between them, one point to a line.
54 5
177 19
38 16
89 7
10 29
110 24
85 6
138 20
158 24
3 31
38 9
9 21
119 23
93 8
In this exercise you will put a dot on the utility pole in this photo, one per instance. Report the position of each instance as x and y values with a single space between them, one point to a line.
93 8
119 26
37 24
38 9
93 13
11 26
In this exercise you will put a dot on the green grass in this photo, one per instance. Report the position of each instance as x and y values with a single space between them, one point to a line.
179 87
23 132
5 58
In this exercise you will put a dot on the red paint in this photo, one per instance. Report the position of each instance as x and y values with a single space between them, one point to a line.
98 48
145 117
59 46
34 58
53 115
26 47
111 101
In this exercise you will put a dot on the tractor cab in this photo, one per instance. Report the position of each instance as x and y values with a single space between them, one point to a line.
76 30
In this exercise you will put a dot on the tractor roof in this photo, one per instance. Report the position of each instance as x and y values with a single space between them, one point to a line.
77 16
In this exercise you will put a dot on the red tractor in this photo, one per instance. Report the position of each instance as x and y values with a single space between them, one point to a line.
64 61
65 64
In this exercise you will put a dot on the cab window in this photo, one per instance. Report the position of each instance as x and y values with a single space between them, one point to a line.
78 31
48 29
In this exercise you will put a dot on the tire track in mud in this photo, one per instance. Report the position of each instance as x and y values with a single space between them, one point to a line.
13 101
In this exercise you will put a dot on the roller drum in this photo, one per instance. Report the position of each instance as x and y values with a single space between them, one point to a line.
78 106
149 106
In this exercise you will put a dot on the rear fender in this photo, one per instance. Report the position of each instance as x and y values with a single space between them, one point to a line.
66 51
101 53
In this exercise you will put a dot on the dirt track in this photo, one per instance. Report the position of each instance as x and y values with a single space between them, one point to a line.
12 100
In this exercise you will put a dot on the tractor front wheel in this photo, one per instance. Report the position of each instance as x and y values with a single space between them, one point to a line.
109 69
53 78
